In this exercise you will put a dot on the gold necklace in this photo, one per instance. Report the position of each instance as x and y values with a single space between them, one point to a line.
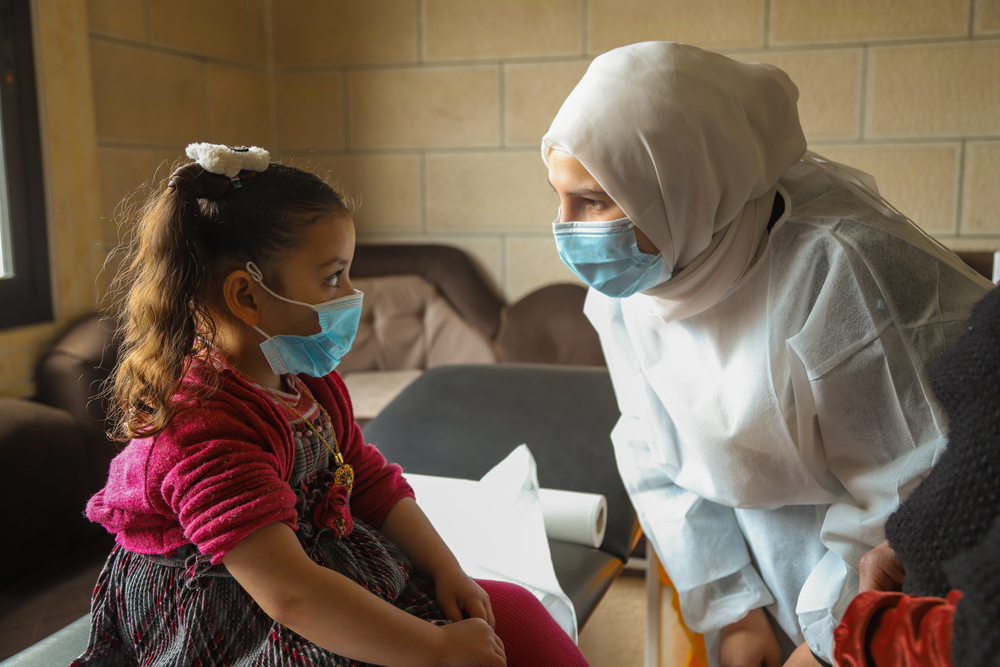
344 474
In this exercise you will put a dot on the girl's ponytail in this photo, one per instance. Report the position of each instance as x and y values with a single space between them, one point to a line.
162 310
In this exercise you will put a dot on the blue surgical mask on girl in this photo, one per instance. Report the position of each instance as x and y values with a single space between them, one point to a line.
606 256
319 354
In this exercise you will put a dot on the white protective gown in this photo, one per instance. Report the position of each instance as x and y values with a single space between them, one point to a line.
764 440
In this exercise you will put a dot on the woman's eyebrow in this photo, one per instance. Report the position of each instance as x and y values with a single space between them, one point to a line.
586 192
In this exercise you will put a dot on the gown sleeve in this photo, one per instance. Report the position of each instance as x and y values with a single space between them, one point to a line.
698 541
881 432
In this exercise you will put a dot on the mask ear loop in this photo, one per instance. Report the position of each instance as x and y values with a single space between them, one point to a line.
258 278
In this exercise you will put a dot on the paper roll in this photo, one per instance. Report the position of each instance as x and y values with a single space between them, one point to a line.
571 516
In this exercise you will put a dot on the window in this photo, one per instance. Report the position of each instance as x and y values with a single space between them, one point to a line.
25 292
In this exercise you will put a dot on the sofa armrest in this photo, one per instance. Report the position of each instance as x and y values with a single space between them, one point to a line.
70 377
548 326
42 454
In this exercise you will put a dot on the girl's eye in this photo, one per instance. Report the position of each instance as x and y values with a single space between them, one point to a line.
333 280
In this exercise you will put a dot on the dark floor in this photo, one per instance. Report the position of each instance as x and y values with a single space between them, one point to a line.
39 605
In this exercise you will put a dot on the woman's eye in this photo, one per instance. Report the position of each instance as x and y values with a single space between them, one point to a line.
333 280
594 203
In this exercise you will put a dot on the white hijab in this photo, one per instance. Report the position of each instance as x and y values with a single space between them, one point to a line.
690 144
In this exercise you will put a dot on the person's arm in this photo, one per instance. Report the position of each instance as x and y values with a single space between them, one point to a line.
460 597
880 434
699 542
704 554
335 613
382 498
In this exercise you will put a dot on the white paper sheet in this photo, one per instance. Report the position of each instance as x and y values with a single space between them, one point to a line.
496 530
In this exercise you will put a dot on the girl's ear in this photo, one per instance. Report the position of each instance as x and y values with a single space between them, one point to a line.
242 296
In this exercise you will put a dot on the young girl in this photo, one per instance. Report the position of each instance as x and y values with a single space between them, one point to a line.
254 525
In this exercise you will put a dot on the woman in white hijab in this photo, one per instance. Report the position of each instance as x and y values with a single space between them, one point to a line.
767 319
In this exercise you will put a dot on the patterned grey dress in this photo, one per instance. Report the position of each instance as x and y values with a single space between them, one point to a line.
180 610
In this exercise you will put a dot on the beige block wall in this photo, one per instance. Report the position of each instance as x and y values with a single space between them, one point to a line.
170 72
429 112
444 110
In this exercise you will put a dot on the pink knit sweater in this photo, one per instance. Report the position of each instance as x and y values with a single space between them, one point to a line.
221 470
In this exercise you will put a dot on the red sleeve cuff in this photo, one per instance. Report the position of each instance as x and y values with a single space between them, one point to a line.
882 629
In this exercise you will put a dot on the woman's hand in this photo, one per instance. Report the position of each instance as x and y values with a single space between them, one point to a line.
460 597
470 643
880 570
749 642
802 657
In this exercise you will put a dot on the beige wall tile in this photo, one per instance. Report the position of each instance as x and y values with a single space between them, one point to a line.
533 94
489 192
968 244
461 29
25 389
981 191
829 82
818 21
939 90
67 118
219 28
121 18
258 30
144 96
124 172
921 180
534 263
385 188
310 110
34 334
425 107
485 251
238 108
987 17
18 366
344 32
708 24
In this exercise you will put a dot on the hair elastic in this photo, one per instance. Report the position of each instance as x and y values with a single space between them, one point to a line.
229 160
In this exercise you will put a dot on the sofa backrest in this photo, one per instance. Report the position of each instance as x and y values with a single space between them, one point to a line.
406 323
449 269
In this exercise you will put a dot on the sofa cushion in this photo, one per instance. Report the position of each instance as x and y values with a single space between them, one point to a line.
449 269
373 390
548 327
407 324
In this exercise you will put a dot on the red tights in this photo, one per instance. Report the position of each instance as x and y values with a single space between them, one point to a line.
530 636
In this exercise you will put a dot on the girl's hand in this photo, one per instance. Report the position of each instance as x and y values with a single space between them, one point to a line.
470 643
880 570
802 657
460 597
749 642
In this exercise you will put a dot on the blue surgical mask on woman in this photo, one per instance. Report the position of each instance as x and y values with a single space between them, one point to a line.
319 354
606 256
